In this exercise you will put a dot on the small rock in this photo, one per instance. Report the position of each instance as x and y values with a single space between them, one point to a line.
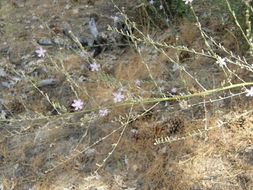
47 82
19 3
45 42
2 72
5 51
6 84
59 41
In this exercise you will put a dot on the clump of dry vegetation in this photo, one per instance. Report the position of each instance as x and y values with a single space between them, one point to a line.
152 95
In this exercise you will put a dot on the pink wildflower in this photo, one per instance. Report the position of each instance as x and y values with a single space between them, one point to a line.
118 96
94 66
77 104
249 91
137 82
40 52
174 90
103 112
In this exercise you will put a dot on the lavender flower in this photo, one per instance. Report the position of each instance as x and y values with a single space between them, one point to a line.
249 91
94 66
174 90
40 52
137 82
221 62
103 112
77 104
118 96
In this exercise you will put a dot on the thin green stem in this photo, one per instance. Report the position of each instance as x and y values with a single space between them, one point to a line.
141 101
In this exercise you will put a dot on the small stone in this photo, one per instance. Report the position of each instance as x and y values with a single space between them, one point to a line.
47 82
2 72
19 3
45 42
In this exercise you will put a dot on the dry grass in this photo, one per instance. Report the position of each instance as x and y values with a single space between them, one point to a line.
46 144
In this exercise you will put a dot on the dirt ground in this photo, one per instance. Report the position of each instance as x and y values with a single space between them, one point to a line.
46 144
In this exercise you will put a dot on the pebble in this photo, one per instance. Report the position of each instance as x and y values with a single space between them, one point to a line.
47 82
19 3
2 72
59 41
5 50
45 42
